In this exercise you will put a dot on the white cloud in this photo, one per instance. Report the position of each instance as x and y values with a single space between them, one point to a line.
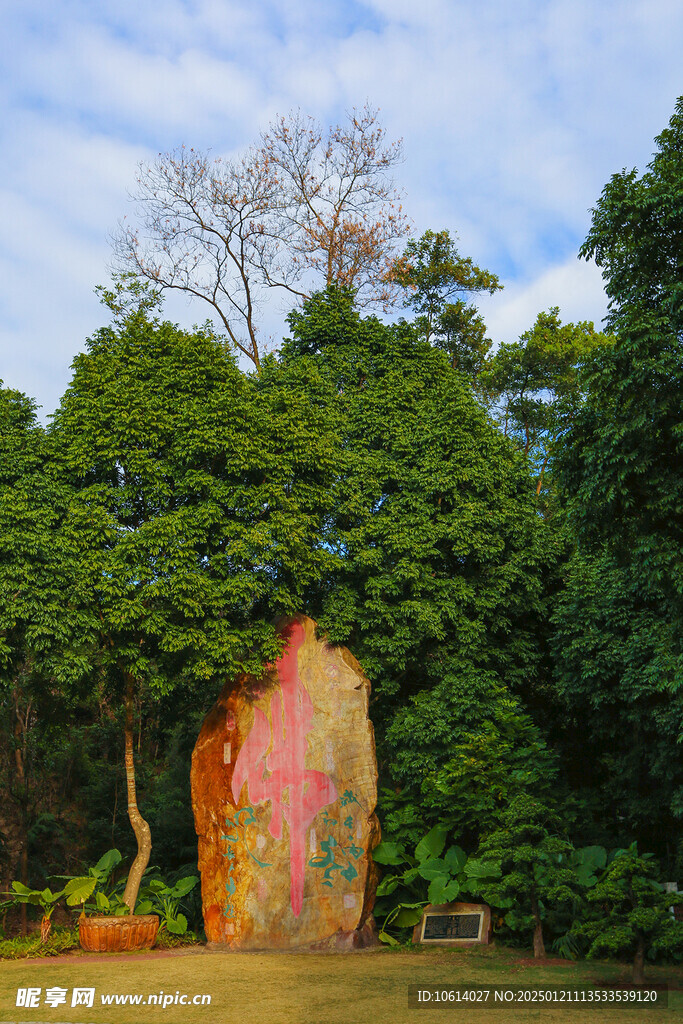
87 74
575 286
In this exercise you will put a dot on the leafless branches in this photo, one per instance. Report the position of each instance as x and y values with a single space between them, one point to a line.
340 213
298 211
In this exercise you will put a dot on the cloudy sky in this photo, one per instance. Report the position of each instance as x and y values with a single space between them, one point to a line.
514 114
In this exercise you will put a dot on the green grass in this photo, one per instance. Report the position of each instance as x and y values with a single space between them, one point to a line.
61 940
364 987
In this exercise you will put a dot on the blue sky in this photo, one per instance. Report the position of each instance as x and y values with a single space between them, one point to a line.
513 116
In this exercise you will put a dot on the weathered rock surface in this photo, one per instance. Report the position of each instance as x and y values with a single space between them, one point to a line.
284 787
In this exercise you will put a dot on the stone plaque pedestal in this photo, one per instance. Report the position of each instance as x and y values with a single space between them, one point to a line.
454 924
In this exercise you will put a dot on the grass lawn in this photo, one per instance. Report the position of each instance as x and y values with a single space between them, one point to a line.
363 987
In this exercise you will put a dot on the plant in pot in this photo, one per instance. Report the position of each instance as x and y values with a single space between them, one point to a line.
106 923
165 900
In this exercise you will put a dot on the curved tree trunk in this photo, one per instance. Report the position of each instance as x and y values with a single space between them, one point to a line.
140 826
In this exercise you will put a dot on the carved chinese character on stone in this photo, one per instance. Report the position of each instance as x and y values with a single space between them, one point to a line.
284 787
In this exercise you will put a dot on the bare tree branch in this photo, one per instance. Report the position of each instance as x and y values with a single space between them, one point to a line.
295 212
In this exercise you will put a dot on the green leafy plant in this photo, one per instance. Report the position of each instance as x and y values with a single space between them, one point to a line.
99 893
444 876
587 863
96 893
43 898
156 897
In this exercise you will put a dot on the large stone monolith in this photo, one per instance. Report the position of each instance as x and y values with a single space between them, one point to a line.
284 787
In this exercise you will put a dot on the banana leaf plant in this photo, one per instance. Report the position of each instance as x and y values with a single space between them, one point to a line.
156 897
430 876
95 893
43 898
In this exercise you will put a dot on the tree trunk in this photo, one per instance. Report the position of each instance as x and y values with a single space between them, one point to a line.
23 878
139 825
540 479
639 962
21 722
539 945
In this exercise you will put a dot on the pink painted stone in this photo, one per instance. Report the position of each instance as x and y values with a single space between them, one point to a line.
286 822
270 775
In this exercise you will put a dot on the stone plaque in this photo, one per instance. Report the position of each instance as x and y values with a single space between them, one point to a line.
284 787
454 924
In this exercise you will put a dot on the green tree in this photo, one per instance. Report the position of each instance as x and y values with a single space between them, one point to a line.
534 863
538 384
499 755
36 617
438 543
619 642
617 647
625 454
460 332
632 913
194 521
431 271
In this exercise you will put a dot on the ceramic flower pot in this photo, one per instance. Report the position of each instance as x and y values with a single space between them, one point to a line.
117 934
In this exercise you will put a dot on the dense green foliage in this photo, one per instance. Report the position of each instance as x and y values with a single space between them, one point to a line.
434 277
189 529
191 525
439 553
632 913
537 384
429 876
41 638
619 621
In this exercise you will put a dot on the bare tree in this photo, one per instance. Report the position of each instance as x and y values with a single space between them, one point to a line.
295 212
202 233
339 213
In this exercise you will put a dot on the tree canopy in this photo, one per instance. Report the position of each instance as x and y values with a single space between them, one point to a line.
538 384
192 523
620 620
434 278
435 532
